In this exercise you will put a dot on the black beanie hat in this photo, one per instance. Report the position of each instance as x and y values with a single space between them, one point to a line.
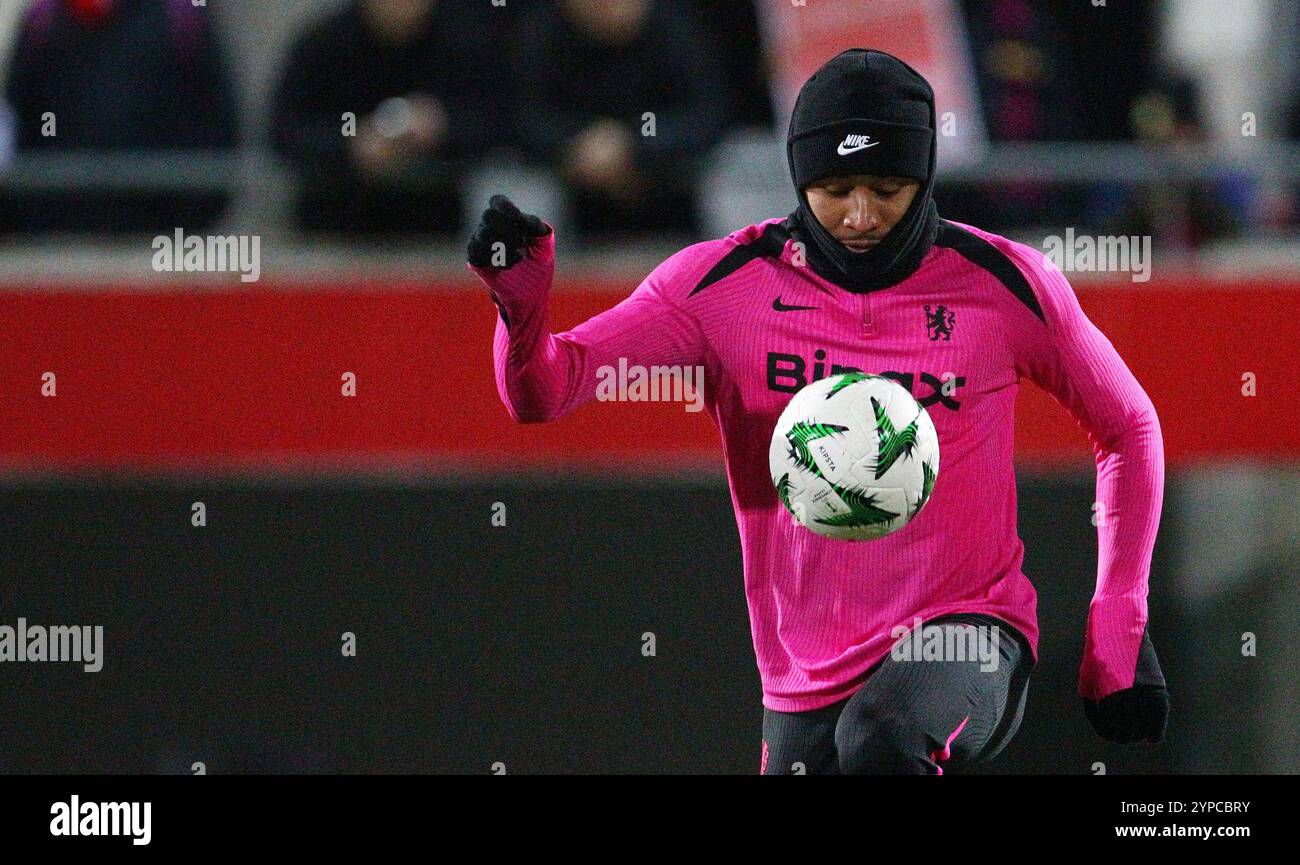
865 112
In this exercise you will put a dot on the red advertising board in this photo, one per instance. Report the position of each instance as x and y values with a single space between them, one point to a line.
252 380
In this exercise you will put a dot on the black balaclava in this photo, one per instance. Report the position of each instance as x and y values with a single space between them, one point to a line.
865 112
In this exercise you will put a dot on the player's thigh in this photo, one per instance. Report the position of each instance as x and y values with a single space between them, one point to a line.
1012 716
800 743
938 709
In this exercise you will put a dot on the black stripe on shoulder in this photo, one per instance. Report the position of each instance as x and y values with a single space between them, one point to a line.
980 252
767 245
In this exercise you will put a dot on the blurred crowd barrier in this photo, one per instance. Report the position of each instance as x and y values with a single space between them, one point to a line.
364 121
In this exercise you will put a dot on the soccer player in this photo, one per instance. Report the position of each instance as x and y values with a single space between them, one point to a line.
865 275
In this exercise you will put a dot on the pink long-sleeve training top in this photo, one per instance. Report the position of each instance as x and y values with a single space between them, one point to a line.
980 313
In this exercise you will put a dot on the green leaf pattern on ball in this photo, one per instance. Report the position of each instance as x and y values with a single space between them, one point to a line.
783 490
863 510
803 432
927 487
846 379
892 444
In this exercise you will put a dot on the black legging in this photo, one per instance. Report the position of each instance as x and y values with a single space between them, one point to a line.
914 717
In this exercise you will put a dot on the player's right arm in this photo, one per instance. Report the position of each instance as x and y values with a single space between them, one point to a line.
543 376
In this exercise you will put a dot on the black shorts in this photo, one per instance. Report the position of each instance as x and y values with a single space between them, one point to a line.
913 715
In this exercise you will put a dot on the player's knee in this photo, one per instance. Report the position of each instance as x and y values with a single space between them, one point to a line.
875 742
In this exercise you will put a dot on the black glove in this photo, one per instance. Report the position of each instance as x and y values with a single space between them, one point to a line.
1136 714
503 223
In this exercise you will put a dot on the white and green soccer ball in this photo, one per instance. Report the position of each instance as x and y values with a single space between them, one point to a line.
854 457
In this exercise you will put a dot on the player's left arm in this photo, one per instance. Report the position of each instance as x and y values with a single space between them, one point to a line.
1120 680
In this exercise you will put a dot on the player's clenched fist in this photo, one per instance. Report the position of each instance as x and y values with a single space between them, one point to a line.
504 235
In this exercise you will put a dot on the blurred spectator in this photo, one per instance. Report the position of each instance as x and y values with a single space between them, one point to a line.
1177 216
1060 71
1210 45
118 75
1283 208
428 93
621 99
1051 72
731 32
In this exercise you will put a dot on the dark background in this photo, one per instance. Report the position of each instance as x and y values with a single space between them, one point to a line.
476 644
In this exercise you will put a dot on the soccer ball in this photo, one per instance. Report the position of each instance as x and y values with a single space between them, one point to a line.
854 457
